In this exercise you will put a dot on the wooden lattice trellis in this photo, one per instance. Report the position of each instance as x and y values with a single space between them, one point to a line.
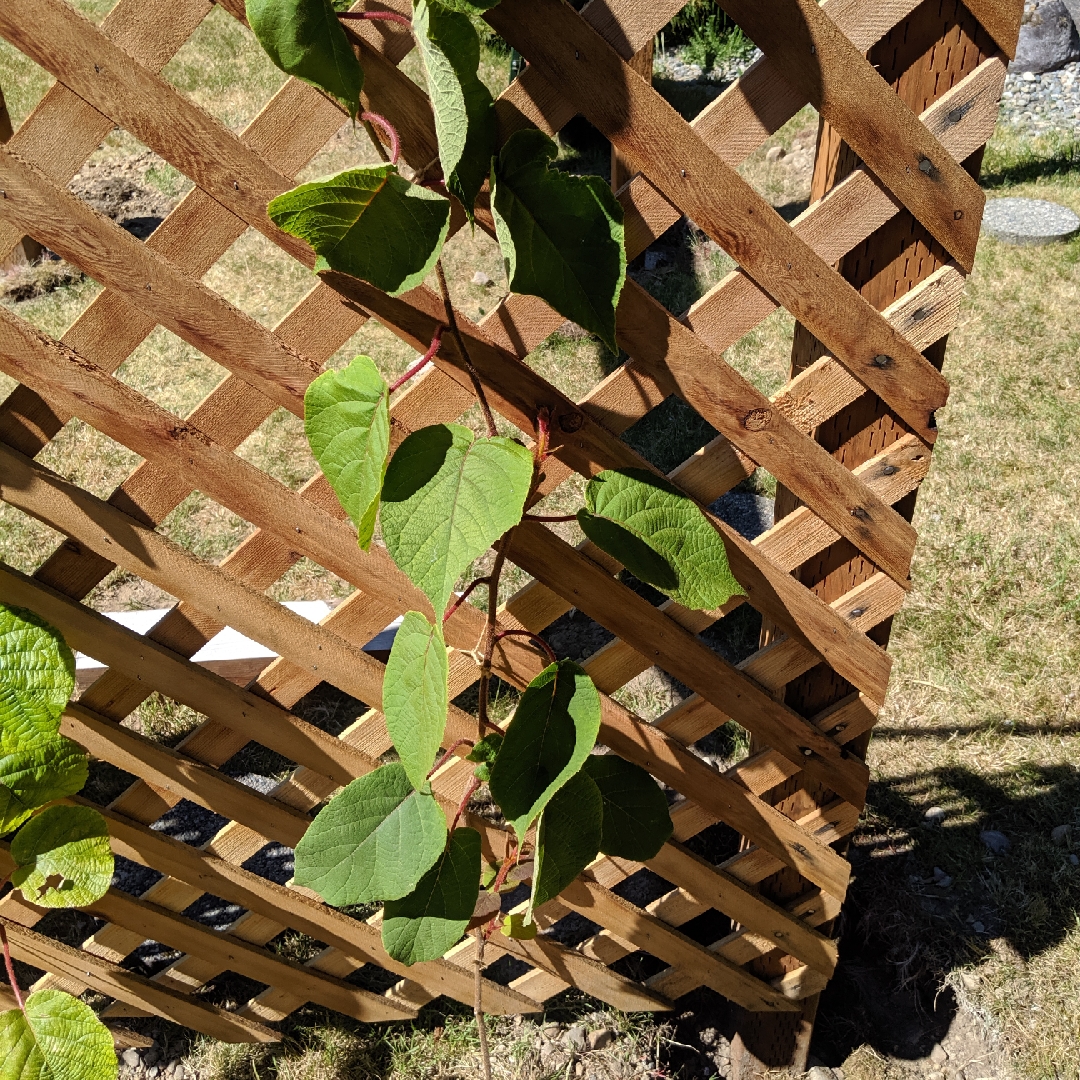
848 438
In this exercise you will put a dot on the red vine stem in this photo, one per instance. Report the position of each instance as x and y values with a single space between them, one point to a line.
550 517
469 791
464 596
390 16
534 638
390 131
424 360
11 967
448 755
543 436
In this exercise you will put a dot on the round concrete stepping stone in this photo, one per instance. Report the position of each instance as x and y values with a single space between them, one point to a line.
1026 222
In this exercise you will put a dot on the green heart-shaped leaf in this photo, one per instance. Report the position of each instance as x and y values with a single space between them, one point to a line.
347 423
58 1038
305 39
567 838
640 559
63 858
49 768
448 497
637 823
553 729
561 235
37 676
463 107
415 695
373 841
429 921
369 223
670 523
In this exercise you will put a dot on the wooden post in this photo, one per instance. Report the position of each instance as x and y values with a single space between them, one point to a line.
27 250
622 169
922 57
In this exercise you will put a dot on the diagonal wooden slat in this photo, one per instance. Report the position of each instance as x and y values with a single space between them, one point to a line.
676 159
840 83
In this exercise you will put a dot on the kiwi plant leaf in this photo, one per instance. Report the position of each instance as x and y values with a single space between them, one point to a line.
447 498
305 39
463 106
370 223
554 727
48 768
636 555
415 695
485 752
373 841
62 857
671 524
37 676
567 838
347 423
561 235
58 1038
470 7
636 822
432 918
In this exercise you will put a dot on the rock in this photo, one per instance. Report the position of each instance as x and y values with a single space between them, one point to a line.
775 153
653 259
481 279
938 1054
934 816
997 843
820 1072
970 980
1062 834
941 879
937 1074
978 927
1028 222
575 1037
547 1048
151 1056
599 1039
179 1072
1048 38
153 1072
1075 860
130 1058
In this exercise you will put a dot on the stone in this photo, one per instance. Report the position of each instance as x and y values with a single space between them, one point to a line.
179 1072
997 843
481 279
970 980
820 1072
599 1039
775 153
130 1057
941 879
1048 37
978 927
1062 834
575 1037
934 816
938 1054
552 1030
1028 222
1075 860
151 1056
153 1071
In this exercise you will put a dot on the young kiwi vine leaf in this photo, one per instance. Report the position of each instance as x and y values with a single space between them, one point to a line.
446 497
61 855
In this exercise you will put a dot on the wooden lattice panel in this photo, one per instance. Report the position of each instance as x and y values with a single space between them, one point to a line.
798 795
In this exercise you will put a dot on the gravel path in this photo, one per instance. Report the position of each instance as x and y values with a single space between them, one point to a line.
1041 103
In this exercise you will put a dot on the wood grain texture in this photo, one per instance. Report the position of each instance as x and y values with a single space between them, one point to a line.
839 82
114 981
683 167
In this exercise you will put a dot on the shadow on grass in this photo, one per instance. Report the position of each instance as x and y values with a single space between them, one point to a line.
905 931
1030 160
